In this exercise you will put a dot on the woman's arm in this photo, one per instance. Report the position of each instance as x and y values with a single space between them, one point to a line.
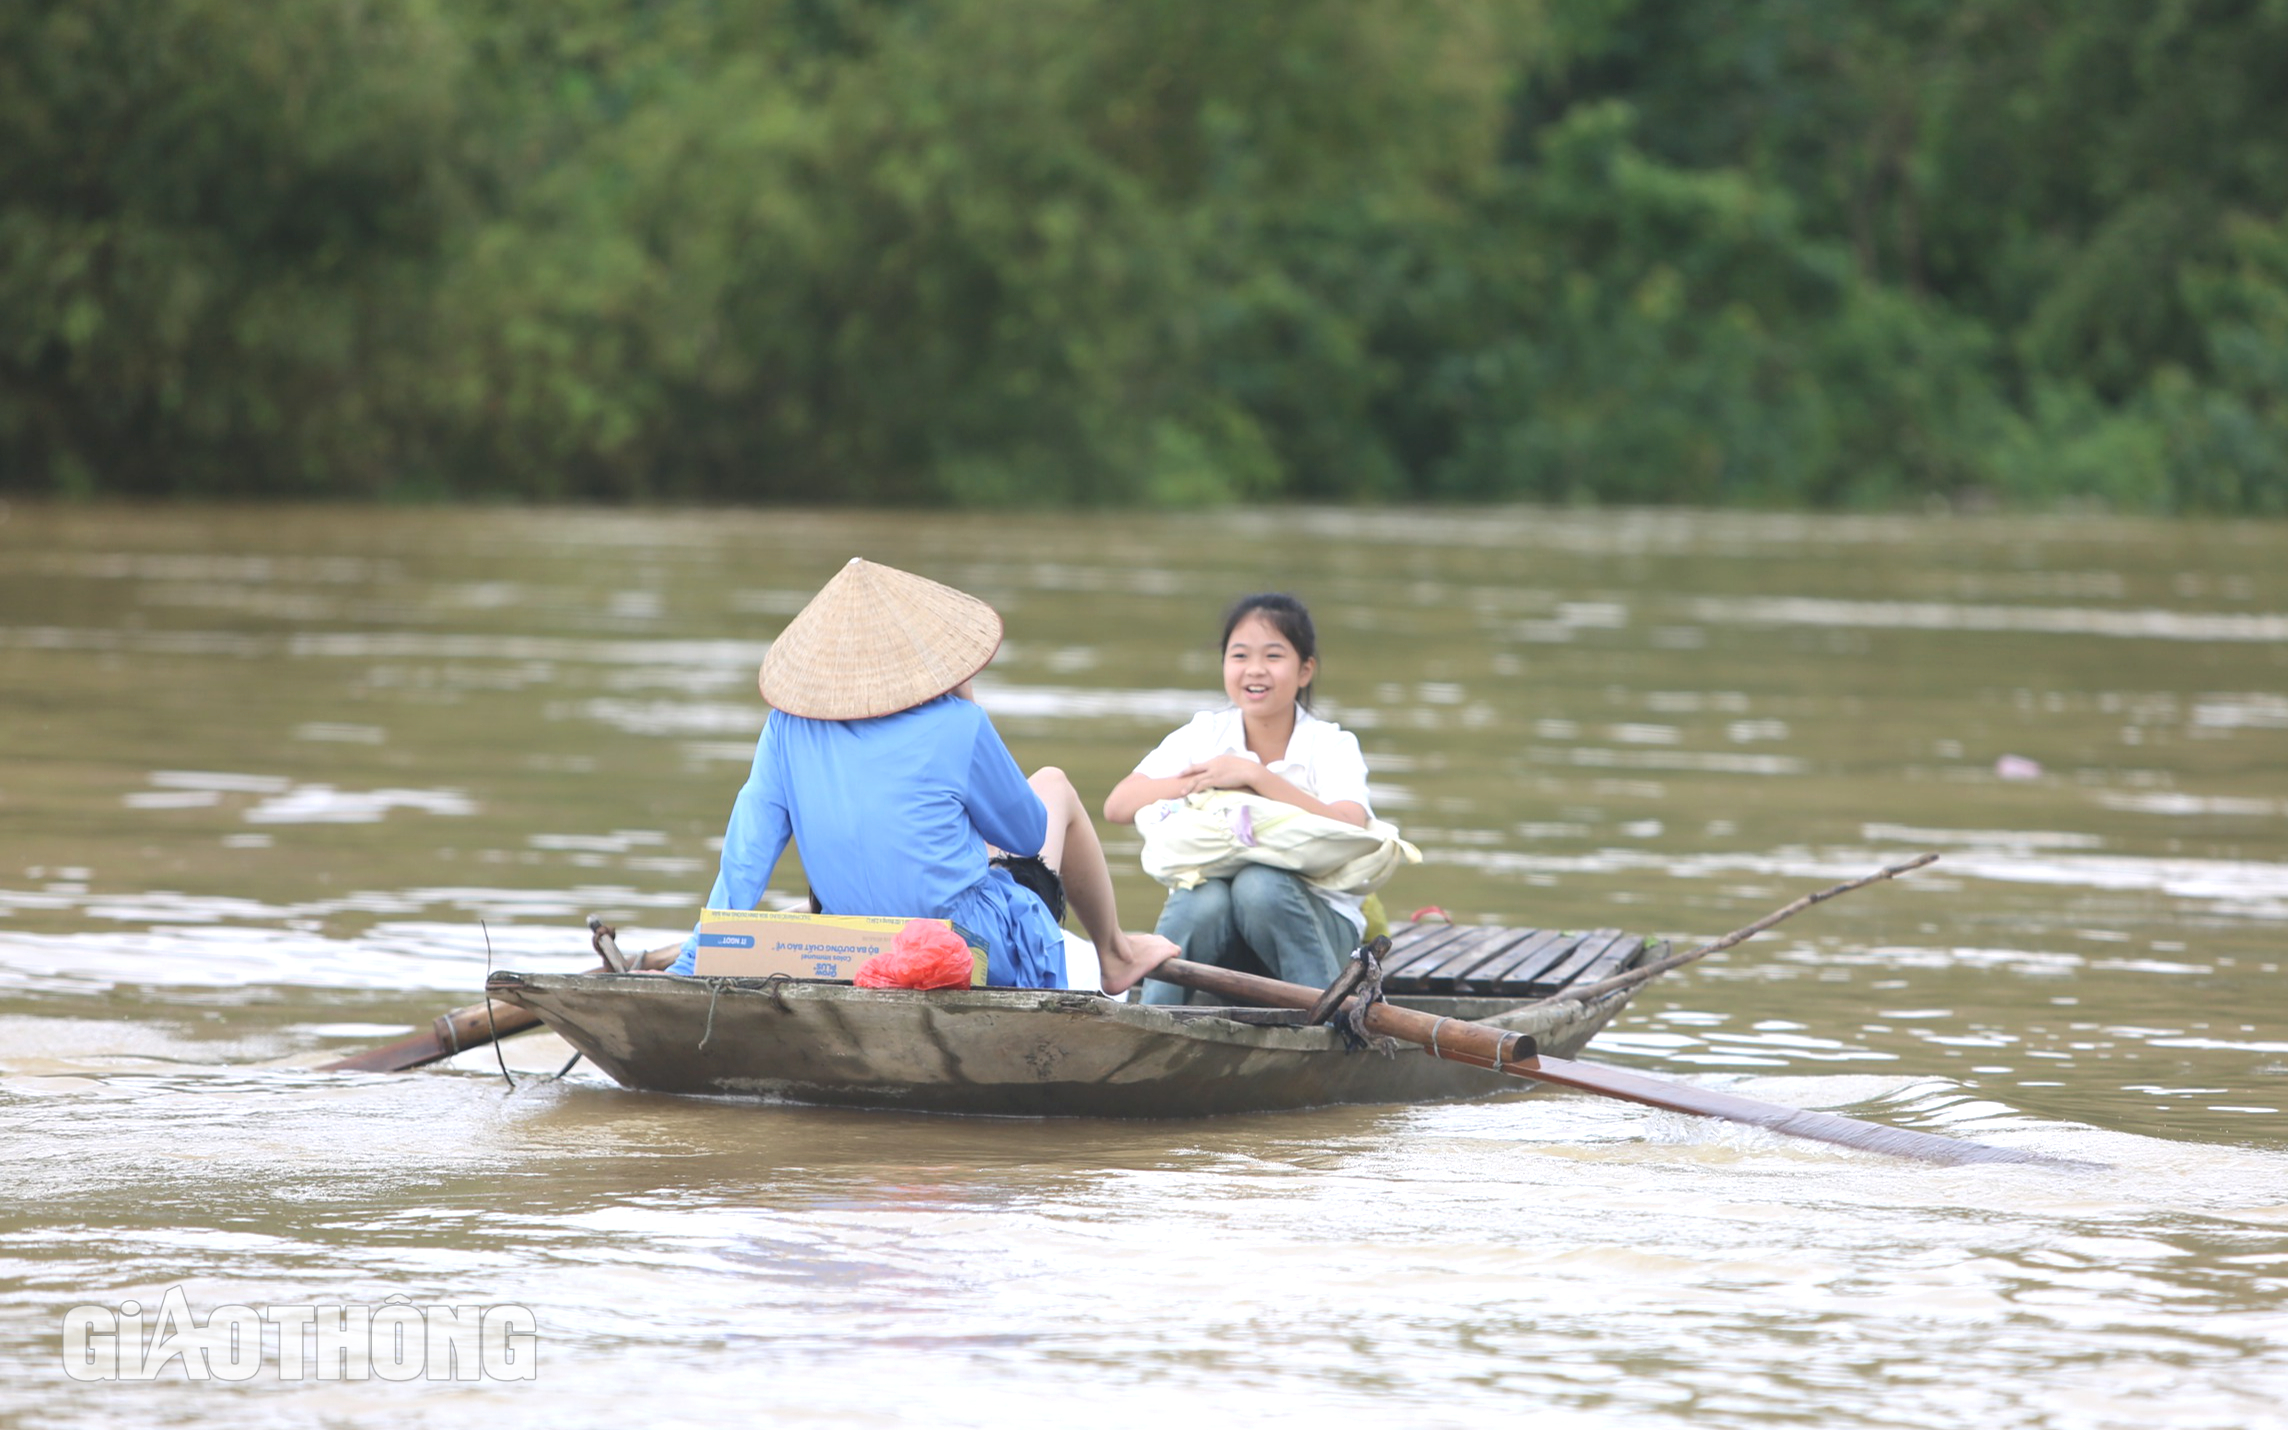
757 834
1006 809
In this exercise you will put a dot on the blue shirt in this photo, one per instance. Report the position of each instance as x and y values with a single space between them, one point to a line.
892 816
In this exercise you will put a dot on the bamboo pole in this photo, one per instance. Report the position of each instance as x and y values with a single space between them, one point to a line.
1636 976
475 1025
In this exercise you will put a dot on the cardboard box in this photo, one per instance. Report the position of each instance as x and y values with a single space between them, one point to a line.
756 944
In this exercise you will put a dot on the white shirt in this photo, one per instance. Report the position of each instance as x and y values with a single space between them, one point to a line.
1323 760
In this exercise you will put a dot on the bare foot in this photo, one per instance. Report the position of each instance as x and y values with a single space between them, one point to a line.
1138 954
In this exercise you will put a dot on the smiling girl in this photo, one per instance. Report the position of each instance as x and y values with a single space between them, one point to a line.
1267 742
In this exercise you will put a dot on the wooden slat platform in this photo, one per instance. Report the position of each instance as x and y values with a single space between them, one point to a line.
1487 962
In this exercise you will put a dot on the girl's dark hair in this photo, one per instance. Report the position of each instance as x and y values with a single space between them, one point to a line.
1288 616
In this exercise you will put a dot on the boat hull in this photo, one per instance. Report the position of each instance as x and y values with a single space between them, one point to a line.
999 1052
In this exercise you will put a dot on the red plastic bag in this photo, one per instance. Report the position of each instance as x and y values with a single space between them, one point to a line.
923 955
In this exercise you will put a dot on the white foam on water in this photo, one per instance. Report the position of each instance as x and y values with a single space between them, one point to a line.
2224 626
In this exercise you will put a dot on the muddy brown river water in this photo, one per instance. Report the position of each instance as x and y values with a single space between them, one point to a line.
274 783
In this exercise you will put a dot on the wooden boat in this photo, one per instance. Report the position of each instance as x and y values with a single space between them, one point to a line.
1031 1053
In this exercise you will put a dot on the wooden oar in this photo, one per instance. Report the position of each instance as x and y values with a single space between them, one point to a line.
481 1023
1483 1045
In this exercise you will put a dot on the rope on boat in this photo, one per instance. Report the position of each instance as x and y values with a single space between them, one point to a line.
776 983
714 991
1352 1023
492 1024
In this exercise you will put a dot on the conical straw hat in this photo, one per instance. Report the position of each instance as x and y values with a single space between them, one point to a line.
876 640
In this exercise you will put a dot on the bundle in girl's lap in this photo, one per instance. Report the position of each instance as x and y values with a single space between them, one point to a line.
1214 834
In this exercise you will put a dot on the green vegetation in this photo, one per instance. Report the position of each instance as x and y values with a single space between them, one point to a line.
1157 251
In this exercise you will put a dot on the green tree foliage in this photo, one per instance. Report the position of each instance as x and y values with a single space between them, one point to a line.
1156 251
217 222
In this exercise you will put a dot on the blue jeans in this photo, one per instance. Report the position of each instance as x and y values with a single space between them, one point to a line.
1260 919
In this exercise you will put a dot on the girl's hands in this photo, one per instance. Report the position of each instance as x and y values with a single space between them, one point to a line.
1236 772
1222 772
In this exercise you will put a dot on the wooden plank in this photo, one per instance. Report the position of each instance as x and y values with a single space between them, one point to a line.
1488 961
1516 970
1463 955
1619 956
1549 980
1406 933
1415 942
1465 939
1410 942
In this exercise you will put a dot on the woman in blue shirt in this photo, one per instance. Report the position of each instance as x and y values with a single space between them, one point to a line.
893 782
